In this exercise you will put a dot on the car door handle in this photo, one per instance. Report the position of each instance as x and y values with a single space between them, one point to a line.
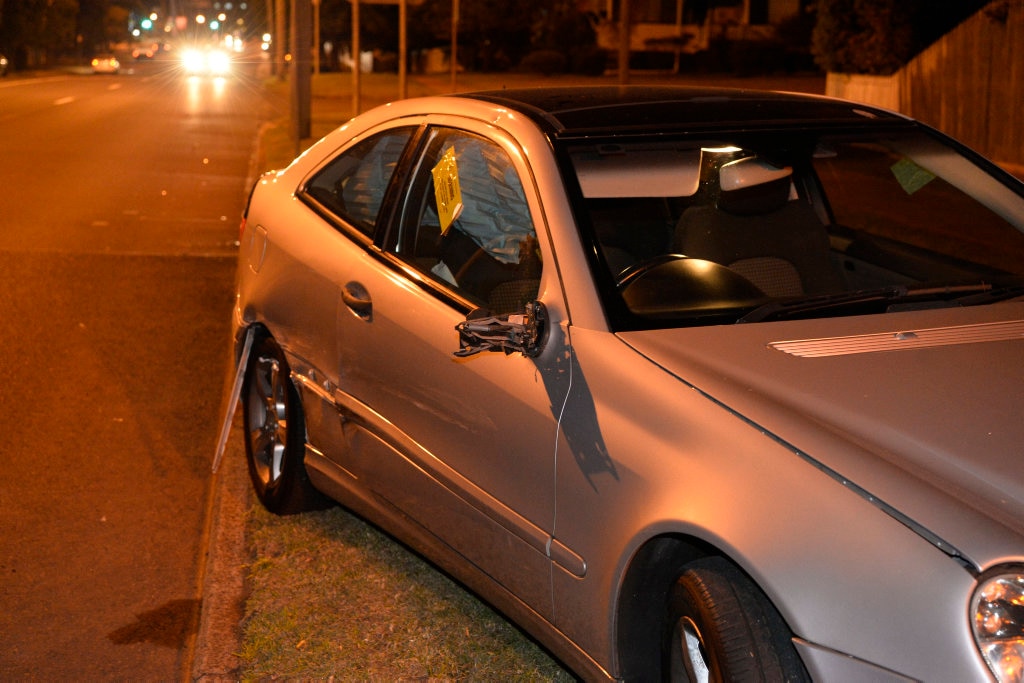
358 300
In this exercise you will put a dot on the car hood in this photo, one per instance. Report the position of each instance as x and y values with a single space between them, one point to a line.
921 411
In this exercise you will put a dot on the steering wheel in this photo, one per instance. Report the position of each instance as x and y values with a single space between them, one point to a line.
638 269
671 284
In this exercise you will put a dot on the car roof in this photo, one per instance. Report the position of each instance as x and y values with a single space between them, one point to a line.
584 111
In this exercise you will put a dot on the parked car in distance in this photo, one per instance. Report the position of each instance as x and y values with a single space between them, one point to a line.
145 51
692 384
105 64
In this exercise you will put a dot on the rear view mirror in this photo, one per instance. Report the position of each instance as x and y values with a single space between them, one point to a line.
521 332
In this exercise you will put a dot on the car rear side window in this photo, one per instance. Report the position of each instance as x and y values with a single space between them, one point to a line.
353 184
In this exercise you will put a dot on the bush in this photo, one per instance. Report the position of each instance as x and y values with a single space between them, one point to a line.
864 36
757 57
589 61
881 36
545 62
794 32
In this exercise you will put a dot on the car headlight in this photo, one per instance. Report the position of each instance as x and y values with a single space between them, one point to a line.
997 620
219 63
193 61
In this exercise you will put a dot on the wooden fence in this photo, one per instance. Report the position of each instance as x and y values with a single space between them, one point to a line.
970 84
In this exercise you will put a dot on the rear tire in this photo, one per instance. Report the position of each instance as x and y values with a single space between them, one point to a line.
275 440
721 628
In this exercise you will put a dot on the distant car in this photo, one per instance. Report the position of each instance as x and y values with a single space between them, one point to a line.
3 65
144 52
206 62
692 384
105 64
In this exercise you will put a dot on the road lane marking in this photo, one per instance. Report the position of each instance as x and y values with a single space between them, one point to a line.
14 82
64 100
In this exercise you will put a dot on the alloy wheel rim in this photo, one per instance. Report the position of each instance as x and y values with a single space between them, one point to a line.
693 653
268 431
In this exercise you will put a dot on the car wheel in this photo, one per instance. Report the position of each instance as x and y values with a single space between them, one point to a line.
722 628
275 433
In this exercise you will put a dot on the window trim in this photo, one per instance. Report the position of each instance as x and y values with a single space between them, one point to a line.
413 170
386 213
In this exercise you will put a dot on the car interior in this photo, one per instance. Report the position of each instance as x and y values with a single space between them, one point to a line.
794 225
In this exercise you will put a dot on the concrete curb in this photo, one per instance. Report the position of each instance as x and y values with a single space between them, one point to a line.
216 653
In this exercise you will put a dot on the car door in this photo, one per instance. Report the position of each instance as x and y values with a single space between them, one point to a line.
339 215
465 446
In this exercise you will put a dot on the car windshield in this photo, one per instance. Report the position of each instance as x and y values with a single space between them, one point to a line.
810 224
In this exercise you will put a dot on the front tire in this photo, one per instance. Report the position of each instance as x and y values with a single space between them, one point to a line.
275 433
721 628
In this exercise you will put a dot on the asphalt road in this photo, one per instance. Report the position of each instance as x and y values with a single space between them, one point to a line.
120 199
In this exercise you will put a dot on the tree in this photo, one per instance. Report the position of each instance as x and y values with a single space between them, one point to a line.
378 26
881 36
39 31
492 35
560 27
863 36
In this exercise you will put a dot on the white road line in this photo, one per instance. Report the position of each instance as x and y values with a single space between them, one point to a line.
15 82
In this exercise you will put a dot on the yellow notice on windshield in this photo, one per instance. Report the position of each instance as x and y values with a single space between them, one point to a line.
910 176
446 189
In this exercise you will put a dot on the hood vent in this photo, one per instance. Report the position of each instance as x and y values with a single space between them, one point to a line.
902 340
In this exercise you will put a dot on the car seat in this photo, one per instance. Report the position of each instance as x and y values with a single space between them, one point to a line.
757 229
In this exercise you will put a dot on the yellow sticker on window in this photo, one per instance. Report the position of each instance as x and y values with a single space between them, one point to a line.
446 189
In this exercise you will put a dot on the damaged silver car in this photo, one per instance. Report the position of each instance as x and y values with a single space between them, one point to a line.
691 384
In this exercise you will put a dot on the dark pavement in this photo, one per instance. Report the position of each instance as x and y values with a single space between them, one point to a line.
119 205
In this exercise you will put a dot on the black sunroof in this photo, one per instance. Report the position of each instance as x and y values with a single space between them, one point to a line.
569 112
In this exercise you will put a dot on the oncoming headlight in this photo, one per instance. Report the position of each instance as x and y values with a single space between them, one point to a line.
218 62
193 61
997 620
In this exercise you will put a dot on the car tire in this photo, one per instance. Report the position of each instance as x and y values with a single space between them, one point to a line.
275 434
720 627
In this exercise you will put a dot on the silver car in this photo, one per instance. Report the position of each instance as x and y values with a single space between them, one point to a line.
691 384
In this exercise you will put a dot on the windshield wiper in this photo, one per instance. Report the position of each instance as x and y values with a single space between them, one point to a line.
949 295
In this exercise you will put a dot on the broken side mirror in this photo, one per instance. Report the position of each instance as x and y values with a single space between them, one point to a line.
521 332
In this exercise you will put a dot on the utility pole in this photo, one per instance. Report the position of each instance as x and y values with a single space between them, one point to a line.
356 61
454 58
625 27
300 72
403 55
316 36
279 38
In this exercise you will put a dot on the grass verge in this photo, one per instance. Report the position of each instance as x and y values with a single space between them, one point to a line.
332 597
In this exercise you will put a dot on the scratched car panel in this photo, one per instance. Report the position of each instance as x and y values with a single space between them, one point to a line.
647 366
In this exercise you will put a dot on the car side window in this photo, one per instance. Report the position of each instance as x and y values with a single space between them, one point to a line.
353 184
468 224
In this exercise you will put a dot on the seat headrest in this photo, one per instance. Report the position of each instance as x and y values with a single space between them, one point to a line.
752 186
